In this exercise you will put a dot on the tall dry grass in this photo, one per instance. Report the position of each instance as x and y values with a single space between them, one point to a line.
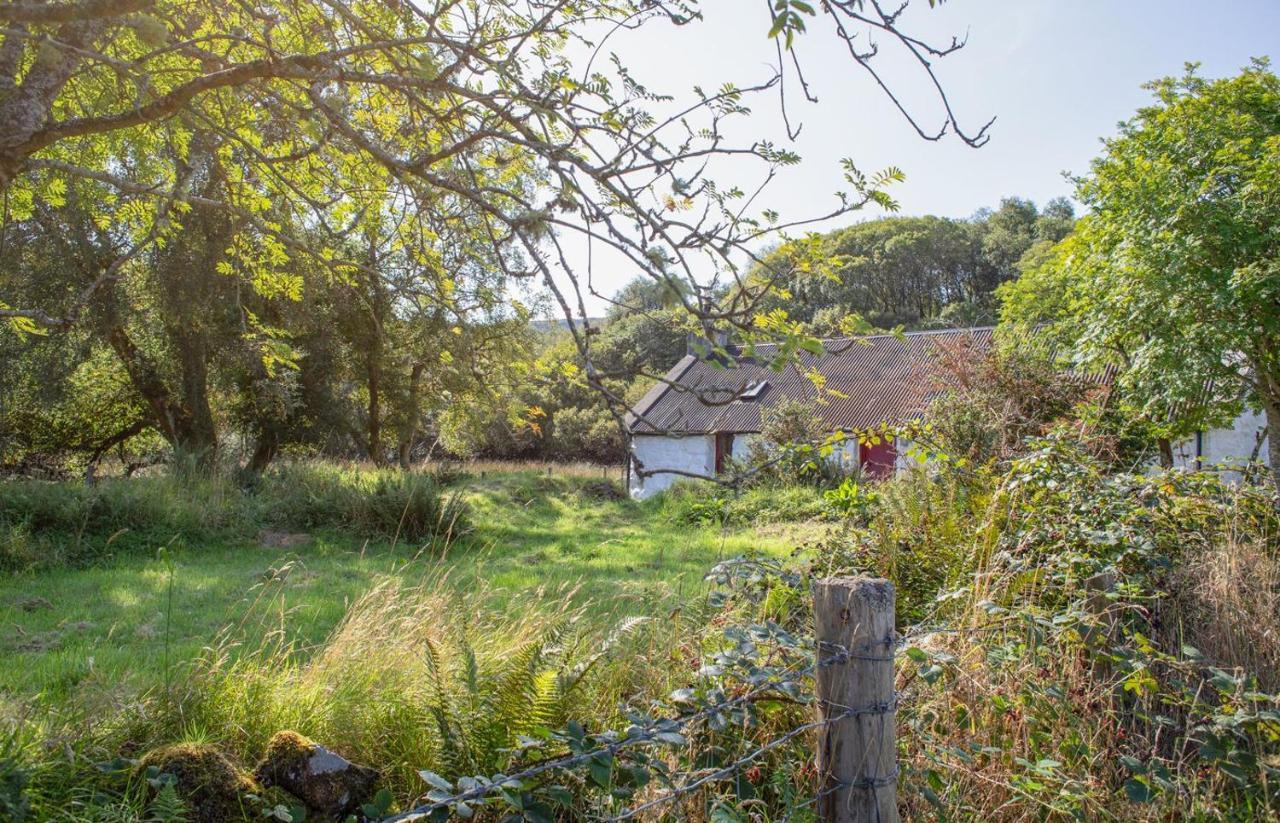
1226 599
421 676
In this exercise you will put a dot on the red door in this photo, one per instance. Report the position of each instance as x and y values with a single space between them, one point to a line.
724 449
878 460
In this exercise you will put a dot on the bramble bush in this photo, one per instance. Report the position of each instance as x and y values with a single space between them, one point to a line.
1052 693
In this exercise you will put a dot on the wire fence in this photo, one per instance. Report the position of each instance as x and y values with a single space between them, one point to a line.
853 737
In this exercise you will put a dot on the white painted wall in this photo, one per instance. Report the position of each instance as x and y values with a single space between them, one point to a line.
846 453
1224 449
695 454
909 457
742 445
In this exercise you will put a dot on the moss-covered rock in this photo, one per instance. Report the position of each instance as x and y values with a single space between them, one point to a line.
212 786
327 783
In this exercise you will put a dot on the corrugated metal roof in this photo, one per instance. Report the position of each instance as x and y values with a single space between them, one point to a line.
869 380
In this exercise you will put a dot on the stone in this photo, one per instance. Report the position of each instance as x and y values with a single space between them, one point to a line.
327 783
213 788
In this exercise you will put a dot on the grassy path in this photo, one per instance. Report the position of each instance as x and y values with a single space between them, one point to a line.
104 632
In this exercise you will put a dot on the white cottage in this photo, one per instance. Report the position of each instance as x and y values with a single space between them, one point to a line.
704 413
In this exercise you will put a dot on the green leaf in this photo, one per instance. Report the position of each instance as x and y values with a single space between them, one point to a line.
435 780
1137 790
1133 764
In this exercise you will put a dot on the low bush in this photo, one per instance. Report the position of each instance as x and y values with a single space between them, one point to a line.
700 503
115 505
915 530
54 523
70 522
386 502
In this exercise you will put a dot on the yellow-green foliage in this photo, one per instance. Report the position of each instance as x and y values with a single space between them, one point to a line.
414 677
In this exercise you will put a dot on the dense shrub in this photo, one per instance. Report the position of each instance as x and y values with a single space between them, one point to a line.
792 448
112 505
72 522
914 529
984 407
1050 692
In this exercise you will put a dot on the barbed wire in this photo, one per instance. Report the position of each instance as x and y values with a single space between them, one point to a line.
663 726
653 732
881 708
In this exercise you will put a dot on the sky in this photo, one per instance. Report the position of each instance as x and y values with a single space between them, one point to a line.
1057 76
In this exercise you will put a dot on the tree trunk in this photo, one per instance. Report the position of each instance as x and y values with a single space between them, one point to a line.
375 410
1166 452
409 427
1267 388
264 452
1271 405
199 436
192 433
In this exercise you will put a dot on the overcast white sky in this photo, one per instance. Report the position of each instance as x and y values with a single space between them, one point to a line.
1058 76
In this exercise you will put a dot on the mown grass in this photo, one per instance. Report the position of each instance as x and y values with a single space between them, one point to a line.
107 626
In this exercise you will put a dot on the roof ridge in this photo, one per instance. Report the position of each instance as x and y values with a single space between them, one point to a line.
917 333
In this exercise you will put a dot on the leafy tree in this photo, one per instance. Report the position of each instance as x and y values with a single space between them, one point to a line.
909 271
373 148
1175 272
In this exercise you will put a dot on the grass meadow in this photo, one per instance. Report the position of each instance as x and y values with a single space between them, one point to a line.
450 621
144 608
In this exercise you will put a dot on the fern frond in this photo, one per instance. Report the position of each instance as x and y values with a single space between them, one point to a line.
547 709
454 752
512 694
167 806
570 678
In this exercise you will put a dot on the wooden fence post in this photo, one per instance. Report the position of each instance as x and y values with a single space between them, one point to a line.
857 755
1100 606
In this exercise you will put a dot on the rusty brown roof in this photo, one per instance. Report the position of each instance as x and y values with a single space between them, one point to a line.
869 380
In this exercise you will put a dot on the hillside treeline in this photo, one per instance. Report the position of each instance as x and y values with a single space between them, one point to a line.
914 272
177 358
